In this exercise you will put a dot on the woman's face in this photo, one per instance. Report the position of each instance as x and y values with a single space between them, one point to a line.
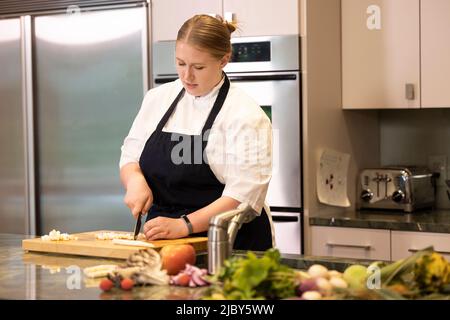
198 70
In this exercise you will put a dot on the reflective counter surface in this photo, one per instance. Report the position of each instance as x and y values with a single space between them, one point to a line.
42 276
32 275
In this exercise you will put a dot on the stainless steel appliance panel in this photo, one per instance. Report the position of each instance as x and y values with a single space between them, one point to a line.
89 87
284 56
288 227
281 99
13 209
164 59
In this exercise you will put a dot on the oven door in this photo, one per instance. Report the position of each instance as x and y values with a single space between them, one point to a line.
278 93
288 230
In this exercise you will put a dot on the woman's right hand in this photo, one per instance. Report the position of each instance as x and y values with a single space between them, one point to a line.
139 196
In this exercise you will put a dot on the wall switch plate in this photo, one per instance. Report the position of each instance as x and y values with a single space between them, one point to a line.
438 164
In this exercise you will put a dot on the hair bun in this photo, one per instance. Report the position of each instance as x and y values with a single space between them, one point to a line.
231 26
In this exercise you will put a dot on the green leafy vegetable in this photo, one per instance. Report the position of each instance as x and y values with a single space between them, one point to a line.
251 277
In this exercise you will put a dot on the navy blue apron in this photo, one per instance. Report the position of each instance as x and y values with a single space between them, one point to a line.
182 188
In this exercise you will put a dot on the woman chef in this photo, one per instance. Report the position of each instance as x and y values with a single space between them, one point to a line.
199 146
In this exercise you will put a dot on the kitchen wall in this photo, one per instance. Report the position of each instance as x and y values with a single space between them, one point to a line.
325 124
410 137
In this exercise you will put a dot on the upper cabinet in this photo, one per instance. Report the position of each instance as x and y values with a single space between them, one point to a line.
264 17
169 15
253 17
380 54
395 54
435 56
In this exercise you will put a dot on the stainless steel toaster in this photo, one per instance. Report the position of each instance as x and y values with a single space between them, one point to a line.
398 188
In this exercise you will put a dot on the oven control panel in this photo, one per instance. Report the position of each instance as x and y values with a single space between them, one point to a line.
251 51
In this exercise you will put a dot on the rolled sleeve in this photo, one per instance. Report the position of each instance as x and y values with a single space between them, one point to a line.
131 150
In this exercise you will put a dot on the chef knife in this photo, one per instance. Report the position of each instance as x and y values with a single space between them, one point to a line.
137 227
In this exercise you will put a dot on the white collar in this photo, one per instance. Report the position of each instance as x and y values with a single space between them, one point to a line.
210 95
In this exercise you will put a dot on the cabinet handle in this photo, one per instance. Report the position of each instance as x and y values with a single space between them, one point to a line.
365 247
229 17
441 252
409 91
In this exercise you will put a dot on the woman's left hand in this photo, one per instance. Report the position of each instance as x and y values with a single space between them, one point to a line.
165 228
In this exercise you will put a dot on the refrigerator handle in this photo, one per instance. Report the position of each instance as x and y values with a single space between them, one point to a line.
28 128
145 45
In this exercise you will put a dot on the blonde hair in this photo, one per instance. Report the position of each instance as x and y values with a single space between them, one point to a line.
208 33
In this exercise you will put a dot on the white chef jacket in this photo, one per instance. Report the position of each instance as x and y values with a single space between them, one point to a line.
239 149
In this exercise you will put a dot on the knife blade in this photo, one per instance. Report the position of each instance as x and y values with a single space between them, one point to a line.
137 227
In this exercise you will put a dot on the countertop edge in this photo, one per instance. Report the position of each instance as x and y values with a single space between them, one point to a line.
348 222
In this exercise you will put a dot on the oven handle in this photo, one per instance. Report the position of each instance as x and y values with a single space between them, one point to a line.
284 219
275 77
165 80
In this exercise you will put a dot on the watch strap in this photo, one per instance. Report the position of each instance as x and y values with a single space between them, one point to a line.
188 223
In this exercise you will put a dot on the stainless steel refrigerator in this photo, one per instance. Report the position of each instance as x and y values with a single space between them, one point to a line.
70 86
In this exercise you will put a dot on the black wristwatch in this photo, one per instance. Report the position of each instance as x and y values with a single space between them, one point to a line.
188 223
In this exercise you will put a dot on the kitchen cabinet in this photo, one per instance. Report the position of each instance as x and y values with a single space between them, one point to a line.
264 17
381 54
376 244
169 15
355 243
404 243
395 54
435 53
254 17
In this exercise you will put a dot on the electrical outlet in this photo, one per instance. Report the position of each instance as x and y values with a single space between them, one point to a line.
438 163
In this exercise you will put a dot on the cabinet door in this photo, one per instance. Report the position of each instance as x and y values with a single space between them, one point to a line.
169 15
264 17
380 54
435 45
405 243
351 243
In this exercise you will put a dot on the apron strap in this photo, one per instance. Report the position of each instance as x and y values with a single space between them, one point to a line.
212 115
217 105
169 112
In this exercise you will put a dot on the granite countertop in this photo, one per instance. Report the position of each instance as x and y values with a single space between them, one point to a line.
45 276
422 221
28 275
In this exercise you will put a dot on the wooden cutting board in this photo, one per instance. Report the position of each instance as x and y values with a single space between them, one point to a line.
87 245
